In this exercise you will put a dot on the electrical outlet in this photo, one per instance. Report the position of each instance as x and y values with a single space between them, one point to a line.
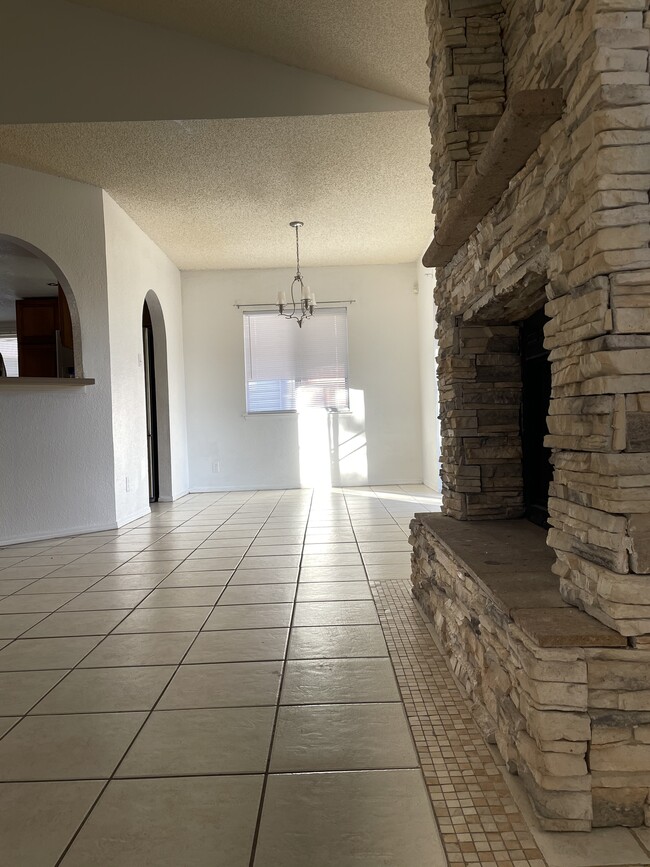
127 483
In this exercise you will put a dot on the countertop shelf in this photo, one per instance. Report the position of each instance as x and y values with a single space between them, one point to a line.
41 383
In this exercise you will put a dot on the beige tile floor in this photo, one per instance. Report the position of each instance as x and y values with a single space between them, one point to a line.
244 679
211 686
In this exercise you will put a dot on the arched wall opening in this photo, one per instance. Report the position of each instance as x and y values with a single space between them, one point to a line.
39 318
153 313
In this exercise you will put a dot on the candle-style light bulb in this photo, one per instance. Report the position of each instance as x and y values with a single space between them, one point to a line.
282 298
305 291
313 300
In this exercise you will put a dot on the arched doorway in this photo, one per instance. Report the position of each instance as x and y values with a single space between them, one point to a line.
154 354
39 323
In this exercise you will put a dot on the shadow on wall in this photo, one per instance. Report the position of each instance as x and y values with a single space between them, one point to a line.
332 445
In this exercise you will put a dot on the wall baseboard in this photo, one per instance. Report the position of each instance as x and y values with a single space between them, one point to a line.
227 488
174 497
133 517
60 534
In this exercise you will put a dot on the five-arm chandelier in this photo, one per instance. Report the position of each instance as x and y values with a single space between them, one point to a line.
304 307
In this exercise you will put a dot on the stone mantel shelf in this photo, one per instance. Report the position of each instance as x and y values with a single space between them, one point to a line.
41 383
528 114
511 562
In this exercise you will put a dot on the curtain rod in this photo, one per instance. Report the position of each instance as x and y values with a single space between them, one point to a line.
288 304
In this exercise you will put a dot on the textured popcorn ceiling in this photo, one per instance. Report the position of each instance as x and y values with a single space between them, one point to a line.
219 194
379 44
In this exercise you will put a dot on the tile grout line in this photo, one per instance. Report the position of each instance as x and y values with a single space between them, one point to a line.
147 717
399 687
260 811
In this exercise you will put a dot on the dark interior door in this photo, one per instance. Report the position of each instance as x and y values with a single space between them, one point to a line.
150 396
536 396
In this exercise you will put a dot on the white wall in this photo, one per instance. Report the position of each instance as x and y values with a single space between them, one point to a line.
136 266
378 443
56 455
429 385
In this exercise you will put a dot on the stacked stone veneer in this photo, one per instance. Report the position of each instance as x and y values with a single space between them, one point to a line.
572 232
573 722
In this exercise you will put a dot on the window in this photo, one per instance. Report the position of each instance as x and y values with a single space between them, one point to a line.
290 368
9 353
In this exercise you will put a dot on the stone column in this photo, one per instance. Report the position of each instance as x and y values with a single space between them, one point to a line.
599 334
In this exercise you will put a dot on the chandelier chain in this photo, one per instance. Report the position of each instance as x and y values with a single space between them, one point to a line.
297 250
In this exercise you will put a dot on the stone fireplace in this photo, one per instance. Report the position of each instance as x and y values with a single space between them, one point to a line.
540 121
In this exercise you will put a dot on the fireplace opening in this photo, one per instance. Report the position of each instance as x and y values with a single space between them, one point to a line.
536 396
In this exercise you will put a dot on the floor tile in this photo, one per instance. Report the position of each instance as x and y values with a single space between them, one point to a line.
332 573
211 564
208 578
177 597
69 623
387 558
272 546
127 582
335 613
52 559
314 560
277 561
154 556
97 601
324 681
264 576
371 534
34 654
207 741
59 585
8 587
196 821
164 620
158 648
76 746
102 690
92 570
20 690
247 616
13 625
400 544
220 551
24 604
332 642
335 737
7 722
388 572
239 645
330 547
333 591
228 684
602 847
355 814
27 572
38 820
245 594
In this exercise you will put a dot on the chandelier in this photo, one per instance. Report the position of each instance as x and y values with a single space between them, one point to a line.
304 307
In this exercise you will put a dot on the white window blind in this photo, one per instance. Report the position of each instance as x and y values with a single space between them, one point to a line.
9 352
290 368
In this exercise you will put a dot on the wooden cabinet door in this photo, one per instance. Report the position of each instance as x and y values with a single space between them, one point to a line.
37 322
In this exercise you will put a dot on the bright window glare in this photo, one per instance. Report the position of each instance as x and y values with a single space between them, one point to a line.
9 352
